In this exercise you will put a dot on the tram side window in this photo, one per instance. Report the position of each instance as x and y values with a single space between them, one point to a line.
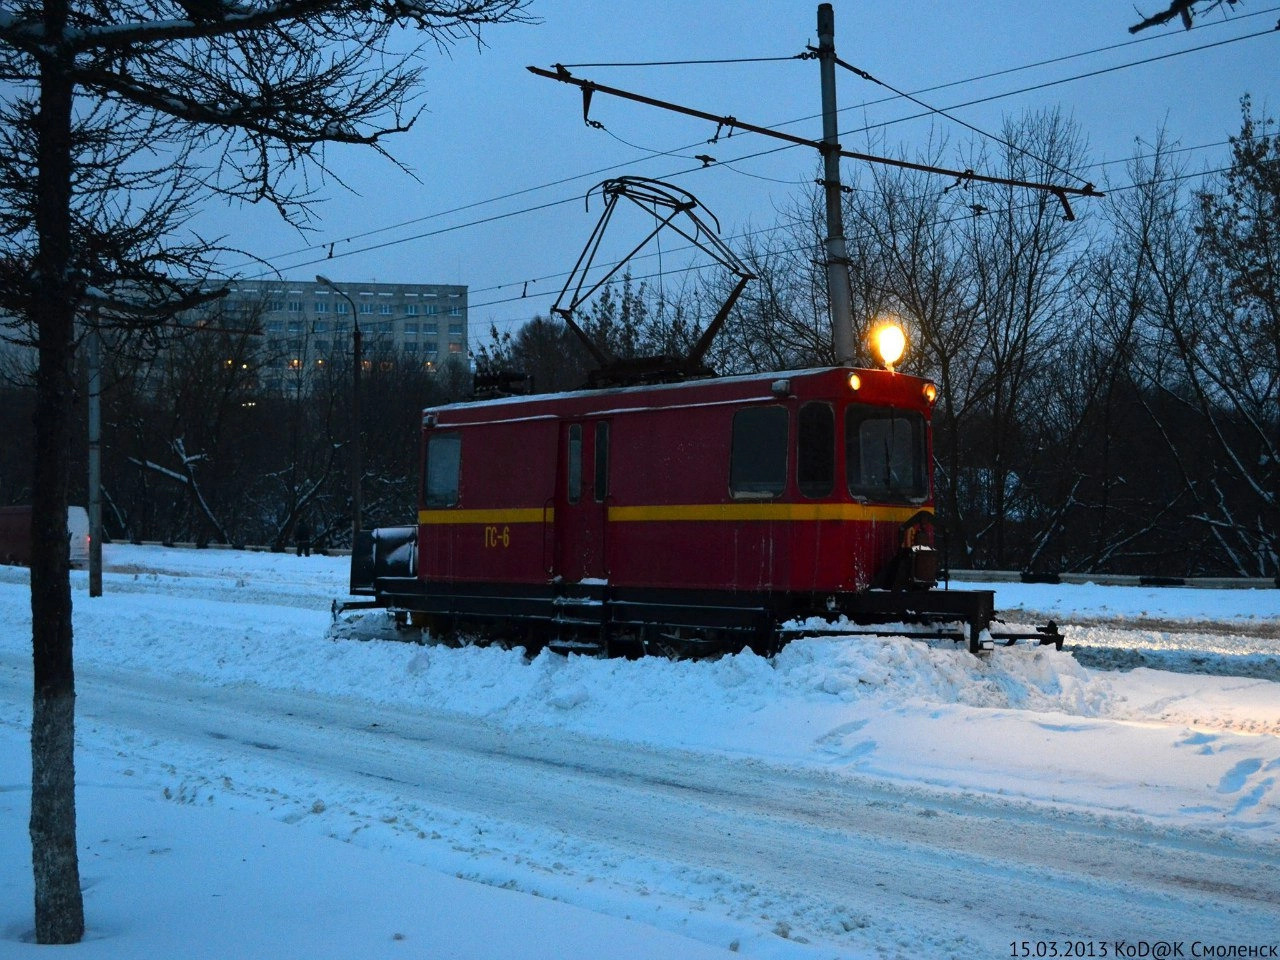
816 450
575 463
602 461
885 455
444 460
758 457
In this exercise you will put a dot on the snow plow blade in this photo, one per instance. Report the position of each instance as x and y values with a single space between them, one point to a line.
1048 634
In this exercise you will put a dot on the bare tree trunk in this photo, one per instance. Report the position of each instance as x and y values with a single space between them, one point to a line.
59 908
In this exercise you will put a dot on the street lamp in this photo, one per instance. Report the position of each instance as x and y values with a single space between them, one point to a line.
357 441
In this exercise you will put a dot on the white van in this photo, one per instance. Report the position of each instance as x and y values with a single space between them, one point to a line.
78 530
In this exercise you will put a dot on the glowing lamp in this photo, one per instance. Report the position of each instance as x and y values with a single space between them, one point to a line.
888 343
855 382
930 393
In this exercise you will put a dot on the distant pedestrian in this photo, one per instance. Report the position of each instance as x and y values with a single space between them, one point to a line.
302 536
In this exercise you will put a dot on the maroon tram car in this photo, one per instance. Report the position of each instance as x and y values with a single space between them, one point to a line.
683 518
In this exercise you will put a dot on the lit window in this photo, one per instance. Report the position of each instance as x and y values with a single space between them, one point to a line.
455 348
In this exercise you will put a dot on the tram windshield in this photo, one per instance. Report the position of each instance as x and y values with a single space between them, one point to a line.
885 453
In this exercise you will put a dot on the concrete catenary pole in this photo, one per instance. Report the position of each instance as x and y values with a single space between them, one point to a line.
838 290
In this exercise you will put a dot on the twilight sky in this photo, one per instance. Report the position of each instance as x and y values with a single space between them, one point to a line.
495 141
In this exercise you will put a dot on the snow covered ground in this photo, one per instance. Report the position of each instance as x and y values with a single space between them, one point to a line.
251 788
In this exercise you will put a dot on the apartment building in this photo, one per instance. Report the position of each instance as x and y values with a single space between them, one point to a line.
305 324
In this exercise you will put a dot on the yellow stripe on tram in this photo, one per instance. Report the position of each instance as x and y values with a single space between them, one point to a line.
450 516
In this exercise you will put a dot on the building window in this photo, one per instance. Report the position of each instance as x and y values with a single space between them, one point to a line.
295 326
432 310
366 308
385 309
410 348
320 326
295 306
431 348
758 456
341 306
455 348
411 328
430 329
274 326
321 307
455 329
455 311
410 309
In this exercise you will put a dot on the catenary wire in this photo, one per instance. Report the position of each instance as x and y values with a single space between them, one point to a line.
331 245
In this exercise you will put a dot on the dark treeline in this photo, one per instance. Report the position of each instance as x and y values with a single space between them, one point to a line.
196 449
1107 385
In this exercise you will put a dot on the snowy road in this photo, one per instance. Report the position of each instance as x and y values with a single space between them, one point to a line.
851 859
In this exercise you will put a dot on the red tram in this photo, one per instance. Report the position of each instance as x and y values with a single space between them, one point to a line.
684 518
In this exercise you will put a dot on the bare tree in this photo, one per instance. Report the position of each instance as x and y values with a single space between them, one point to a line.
1184 10
124 116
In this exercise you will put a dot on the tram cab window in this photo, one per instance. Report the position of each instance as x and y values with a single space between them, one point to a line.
444 459
885 454
816 450
758 457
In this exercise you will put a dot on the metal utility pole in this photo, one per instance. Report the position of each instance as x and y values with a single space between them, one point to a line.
357 434
95 459
838 290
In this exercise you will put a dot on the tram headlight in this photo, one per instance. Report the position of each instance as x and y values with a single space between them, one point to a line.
888 343
930 393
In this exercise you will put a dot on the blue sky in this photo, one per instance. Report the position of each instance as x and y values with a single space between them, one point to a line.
491 129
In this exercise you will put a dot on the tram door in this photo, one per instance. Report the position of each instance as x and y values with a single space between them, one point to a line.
582 492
